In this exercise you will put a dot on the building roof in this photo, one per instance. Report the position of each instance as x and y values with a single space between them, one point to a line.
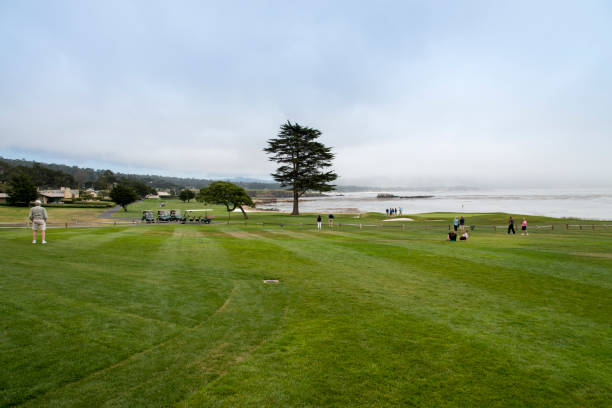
52 193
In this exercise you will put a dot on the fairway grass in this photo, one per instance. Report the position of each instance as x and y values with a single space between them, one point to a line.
179 315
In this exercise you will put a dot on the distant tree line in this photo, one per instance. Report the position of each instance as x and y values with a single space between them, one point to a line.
103 179
42 177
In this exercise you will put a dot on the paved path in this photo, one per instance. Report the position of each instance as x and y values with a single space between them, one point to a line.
108 214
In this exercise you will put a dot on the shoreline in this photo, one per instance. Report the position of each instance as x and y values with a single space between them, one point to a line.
586 205
406 216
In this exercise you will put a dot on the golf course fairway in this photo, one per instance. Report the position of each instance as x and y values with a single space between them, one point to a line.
179 315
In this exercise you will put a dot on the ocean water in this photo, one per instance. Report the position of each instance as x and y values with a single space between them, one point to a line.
588 204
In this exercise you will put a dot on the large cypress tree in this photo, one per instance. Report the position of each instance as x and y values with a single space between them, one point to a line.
305 162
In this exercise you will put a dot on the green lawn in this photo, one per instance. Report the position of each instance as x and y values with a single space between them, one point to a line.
20 214
178 315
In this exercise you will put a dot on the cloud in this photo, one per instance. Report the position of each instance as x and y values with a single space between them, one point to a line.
405 93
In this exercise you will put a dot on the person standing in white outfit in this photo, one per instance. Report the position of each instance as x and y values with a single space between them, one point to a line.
38 216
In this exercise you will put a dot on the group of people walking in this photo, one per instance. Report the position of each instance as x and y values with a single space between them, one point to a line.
523 226
393 211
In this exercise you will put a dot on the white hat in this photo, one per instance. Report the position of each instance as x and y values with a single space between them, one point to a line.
37 202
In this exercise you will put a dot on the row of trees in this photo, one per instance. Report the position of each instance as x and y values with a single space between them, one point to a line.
104 179
50 176
22 190
41 176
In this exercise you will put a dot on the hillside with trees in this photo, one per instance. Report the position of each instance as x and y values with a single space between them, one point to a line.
50 175
42 177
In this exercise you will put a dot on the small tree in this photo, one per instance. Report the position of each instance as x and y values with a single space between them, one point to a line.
186 195
21 190
228 194
84 195
304 161
123 195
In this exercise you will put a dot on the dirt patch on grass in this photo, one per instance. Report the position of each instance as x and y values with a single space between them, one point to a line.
240 234
176 232
292 234
192 233
594 254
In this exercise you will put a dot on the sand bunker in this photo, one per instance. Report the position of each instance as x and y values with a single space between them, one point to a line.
255 210
400 219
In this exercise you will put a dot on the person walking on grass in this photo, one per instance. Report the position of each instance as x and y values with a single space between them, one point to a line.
38 216
511 225
319 222
331 220
462 223
524 227
456 223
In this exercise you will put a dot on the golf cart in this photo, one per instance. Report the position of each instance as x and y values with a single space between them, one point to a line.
147 216
175 215
197 218
163 216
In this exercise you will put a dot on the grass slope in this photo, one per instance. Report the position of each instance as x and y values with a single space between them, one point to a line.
178 315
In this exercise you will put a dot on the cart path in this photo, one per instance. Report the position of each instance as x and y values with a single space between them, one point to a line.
108 214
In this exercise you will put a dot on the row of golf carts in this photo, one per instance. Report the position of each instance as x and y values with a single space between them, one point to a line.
167 216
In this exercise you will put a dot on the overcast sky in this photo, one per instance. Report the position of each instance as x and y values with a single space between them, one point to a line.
407 92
